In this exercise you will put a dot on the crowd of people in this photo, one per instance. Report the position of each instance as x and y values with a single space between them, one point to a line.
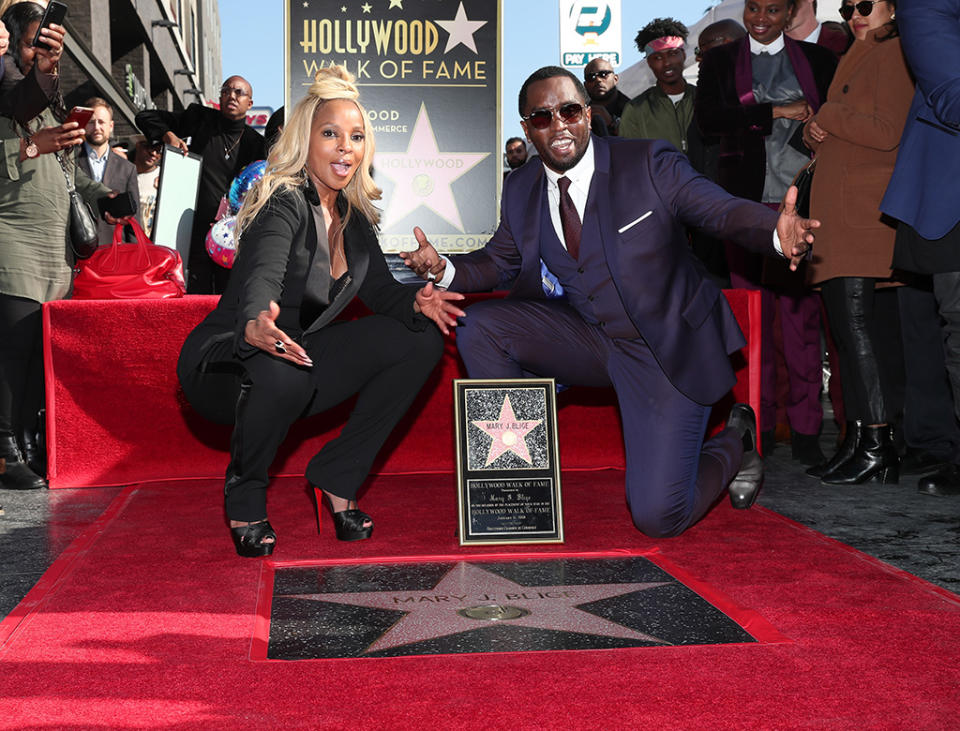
776 94
697 190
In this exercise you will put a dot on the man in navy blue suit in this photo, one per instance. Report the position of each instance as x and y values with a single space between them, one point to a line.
608 218
924 195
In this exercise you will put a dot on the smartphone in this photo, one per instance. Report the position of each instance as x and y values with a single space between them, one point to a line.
80 115
53 15
119 207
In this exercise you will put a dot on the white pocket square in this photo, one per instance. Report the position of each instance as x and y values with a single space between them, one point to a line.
633 223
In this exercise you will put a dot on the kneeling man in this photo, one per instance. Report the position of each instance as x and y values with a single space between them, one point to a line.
607 217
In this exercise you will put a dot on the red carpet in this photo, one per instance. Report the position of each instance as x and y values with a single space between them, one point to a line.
148 622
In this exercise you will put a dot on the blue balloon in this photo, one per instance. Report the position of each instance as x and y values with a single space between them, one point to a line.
243 182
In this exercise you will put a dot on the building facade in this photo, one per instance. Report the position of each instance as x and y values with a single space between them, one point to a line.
141 54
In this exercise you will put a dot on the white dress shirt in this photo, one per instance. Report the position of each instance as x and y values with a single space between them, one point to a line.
580 176
97 164
815 36
773 48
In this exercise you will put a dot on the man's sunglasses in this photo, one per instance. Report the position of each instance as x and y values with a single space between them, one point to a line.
594 75
570 113
864 7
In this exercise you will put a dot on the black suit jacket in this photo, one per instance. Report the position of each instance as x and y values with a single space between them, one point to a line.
741 127
119 175
277 260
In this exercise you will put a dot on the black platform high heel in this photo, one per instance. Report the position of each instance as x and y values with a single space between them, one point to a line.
249 539
348 524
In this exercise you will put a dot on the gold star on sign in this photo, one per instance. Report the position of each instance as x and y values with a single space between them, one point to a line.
365 7
395 4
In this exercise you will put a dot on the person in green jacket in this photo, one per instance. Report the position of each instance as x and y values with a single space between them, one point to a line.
665 110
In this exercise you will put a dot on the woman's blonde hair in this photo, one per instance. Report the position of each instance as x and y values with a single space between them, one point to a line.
287 161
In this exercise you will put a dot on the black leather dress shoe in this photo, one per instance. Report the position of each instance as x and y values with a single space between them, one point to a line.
919 462
944 482
745 486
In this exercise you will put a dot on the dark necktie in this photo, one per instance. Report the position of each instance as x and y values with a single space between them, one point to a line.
569 218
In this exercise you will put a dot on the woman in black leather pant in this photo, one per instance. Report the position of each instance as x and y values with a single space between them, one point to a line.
855 135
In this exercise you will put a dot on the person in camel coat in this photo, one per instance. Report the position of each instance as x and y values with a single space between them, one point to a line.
855 136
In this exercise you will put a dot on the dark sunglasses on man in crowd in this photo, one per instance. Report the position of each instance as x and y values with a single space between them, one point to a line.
864 7
594 75
569 114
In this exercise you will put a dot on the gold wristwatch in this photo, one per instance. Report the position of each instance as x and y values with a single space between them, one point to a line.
31 150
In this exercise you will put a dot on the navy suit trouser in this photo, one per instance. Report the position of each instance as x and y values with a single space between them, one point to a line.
673 477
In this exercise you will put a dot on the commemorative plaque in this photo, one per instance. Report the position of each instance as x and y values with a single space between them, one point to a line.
508 468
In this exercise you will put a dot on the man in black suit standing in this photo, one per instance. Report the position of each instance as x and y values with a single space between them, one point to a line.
102 164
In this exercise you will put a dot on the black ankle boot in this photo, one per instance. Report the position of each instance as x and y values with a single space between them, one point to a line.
849 446
874 460
17 475
34 453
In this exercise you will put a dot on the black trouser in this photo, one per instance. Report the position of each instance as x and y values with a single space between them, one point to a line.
376 357
865 324
929 422
21 364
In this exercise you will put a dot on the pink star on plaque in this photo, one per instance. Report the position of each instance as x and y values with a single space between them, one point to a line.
508 433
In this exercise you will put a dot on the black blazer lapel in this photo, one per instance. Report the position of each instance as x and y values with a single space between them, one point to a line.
84 161
358 261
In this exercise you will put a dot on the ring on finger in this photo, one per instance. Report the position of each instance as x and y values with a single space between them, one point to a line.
279 346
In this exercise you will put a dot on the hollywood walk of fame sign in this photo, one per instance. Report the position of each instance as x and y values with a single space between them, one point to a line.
508 467
429 78
480 605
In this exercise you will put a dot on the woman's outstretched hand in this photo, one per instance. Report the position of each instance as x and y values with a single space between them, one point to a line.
436 304
263 333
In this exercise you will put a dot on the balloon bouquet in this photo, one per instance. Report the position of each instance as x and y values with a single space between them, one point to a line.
221 242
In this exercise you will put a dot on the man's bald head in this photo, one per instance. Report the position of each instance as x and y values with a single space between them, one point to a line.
236 97
600 80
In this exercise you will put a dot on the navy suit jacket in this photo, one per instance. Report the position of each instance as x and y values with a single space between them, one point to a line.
645 194
924 190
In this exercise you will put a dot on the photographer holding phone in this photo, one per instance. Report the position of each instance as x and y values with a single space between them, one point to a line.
35 257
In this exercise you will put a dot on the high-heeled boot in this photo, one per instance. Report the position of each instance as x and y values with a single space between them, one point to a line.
17 475
850 441
874 460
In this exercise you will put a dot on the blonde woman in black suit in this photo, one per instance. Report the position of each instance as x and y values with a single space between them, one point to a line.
272 351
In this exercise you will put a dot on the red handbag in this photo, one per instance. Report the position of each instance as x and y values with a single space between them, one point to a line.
129 271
